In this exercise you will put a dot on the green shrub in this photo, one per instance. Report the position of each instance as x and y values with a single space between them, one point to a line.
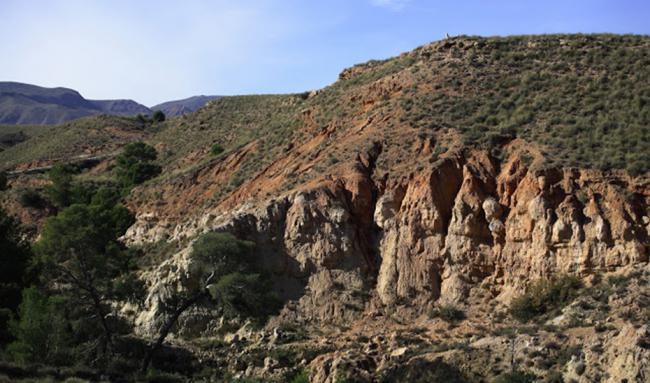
216 150
158 116
15 259
424 371
63 190
516 376
40 332
543 296
31 198
239 287
6 316
301 377
618 280
59 191
134 165
154 376
448 313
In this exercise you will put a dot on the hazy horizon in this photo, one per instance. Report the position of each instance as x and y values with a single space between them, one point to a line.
154 52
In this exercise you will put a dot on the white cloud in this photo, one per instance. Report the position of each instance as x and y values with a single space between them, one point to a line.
394 5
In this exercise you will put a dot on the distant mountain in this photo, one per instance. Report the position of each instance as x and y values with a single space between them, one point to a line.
187 105
121 107
25 104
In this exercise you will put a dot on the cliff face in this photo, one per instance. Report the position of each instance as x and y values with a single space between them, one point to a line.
465 223
461 223
362 250
365 207
451 175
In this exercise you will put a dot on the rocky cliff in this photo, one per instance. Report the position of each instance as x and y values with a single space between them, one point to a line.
354 247
460 223
450 177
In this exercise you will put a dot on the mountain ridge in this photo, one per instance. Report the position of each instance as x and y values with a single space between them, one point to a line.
27 104
183 106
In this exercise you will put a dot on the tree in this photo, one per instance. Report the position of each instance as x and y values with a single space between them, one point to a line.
158 116
59 192
63 191
40 332
137 152
80 255
134 165
228 278
14 260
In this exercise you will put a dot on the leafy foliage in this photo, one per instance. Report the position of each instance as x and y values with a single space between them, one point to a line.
63 190
216 149
14 261
134 165
516 376
59 192
40 333
83 269
239 287
424 371
448 313
14 252
245 295
543 296
223 252
82 231
31 198
82 261
158 116
301 377
226 274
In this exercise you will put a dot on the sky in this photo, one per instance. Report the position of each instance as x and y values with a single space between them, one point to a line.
158 50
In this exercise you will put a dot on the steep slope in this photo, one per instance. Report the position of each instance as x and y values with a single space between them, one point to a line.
448 96
184 106
453 174
24 104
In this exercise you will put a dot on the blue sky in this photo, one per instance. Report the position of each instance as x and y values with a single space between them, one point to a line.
157 50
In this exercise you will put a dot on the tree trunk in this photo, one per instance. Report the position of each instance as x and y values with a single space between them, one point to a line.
99 312
86 283
169 324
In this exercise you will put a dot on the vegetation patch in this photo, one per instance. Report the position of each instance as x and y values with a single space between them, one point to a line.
544 296
448 313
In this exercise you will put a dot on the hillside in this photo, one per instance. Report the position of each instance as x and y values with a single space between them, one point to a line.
88 136
184 106
472 206
24 104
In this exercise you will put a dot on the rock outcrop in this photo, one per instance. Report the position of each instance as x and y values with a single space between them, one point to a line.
351 244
